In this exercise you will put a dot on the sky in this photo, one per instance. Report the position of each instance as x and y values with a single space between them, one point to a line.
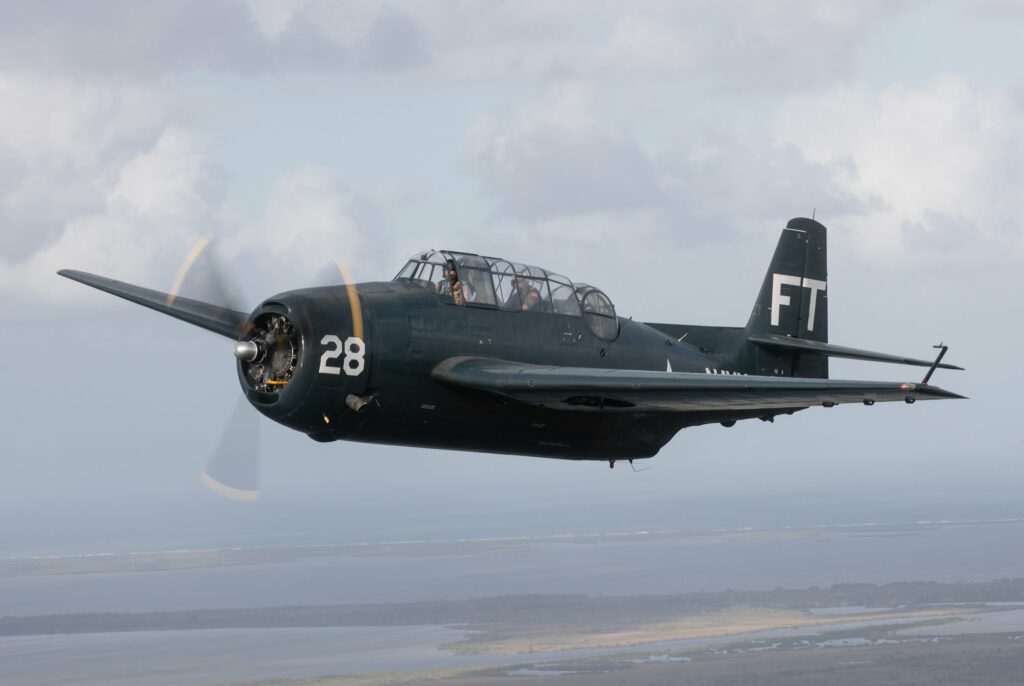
655 151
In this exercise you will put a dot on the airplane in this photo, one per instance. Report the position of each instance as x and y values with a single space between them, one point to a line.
465 352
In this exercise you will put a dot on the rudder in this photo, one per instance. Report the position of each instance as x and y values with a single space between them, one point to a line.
793 301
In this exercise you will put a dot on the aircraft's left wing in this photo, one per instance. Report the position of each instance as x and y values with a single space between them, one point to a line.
584 388
222 320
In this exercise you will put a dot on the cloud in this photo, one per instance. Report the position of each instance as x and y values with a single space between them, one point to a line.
393 41
273 17
162 200
136 41
938 167
750 44
62 141
553 159
309 221
643 44
788 45
166 198
909 174
96 176
1000 9
550 159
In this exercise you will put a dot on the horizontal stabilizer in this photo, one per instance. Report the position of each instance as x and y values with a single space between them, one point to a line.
803 345
222 320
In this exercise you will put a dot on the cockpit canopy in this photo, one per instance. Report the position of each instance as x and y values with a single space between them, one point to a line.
479 281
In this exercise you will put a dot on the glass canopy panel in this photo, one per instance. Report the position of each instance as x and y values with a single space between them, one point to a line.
599 313
426 270
563 296
408 270
475 275
495 282
537 295
504 278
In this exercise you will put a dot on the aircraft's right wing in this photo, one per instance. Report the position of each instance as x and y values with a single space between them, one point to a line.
584 388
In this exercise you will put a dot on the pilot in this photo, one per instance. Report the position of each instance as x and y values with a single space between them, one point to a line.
451 284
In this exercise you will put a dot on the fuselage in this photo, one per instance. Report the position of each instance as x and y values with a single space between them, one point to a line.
407 330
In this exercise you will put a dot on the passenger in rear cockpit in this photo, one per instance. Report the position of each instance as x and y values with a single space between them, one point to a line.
526 296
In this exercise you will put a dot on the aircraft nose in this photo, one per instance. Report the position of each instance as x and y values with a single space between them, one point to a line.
269 353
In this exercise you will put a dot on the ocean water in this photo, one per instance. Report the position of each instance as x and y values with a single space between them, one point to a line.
224 656
192 658
628 564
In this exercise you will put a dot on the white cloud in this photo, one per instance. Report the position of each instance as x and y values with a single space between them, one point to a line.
557 158
307 217
747 44
905 174
273 17
550 159
95 177
309 222
751 44
63 141
788 44
938 166
644 44
162 200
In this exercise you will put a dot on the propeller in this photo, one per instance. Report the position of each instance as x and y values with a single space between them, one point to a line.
234 469
268 345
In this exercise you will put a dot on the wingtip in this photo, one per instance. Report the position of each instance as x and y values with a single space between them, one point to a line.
74 275
941 393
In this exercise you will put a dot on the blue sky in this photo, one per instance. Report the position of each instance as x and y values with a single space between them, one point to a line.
671 142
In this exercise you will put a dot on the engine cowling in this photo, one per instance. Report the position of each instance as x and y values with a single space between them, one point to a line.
299 360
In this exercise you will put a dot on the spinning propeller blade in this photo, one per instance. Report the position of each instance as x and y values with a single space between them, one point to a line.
328 276
233 470
202 275
353 297
267 346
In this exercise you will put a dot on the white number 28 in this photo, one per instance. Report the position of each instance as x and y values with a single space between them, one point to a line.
355 355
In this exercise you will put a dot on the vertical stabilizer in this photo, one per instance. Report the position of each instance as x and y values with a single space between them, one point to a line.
793 301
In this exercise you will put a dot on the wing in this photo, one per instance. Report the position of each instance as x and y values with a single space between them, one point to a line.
583 388
222 320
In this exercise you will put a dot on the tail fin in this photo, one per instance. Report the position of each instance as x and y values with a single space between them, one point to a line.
793 302
787 333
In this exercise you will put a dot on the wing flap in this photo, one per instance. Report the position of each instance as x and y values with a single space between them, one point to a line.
583 388
222 320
